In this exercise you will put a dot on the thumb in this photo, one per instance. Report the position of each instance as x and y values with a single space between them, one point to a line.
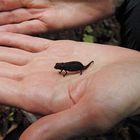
60 126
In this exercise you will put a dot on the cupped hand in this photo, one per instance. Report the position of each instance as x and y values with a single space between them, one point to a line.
33 16
91 103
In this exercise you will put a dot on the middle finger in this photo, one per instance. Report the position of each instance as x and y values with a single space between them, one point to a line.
14 56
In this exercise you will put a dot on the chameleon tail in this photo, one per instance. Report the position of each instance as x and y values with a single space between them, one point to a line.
85 67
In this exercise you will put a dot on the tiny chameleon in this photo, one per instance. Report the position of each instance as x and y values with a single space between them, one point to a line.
71 66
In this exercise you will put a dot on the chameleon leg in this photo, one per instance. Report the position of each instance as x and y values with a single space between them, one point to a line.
65 74
60 71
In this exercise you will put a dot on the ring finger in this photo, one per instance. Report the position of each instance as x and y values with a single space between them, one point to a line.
11 71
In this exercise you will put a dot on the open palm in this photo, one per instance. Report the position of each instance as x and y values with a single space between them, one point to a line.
91 102
30 70
33 16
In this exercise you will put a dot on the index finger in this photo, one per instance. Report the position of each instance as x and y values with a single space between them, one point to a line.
6 5
24 42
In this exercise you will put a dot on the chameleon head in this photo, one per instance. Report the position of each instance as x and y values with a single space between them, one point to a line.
58 66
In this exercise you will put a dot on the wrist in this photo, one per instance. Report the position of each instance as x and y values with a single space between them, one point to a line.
135 86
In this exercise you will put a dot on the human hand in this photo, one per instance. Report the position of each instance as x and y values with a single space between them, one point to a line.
33 16
106 93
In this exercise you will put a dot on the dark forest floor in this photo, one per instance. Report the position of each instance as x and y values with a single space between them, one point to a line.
13 121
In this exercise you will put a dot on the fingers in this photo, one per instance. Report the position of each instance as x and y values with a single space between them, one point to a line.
28 43
14 56
10 71
15 16
10 92
6 5
11 61
58 126
26 27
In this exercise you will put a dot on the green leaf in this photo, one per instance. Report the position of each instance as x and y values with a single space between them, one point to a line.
88 38
88 29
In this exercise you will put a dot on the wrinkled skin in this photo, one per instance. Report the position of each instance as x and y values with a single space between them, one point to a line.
91 103
33 16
